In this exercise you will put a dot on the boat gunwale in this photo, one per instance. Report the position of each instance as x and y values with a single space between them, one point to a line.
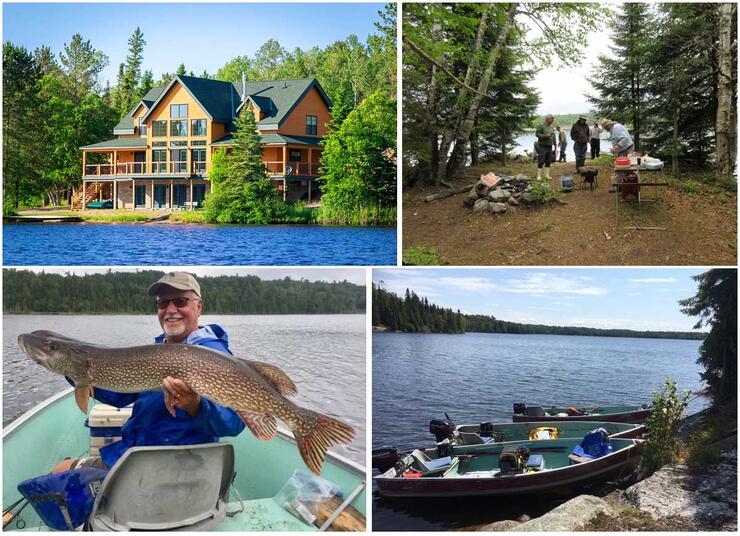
421 491
284 433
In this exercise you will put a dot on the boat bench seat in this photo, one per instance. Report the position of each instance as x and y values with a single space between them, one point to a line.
428 466
467 438
574 458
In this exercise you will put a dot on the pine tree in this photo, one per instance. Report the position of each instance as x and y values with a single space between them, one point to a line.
131 72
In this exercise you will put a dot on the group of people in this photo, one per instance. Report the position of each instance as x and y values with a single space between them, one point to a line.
550 138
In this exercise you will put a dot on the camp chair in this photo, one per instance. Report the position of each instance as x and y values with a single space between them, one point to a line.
166 488
428 466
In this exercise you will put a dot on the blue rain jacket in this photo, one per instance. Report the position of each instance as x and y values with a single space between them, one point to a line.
152 425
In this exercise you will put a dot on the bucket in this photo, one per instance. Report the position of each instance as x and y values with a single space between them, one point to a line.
566 183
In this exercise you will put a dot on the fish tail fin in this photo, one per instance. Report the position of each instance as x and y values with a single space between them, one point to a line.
316 433
82 396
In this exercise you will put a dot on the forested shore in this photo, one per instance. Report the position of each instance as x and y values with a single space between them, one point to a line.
56 101
416 314
26 292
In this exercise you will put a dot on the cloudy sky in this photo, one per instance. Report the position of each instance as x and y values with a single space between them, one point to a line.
353 275
627 298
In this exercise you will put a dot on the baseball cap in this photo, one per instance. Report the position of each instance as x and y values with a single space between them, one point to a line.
176 280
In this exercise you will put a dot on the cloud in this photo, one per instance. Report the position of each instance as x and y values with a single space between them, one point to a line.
543 283
652 280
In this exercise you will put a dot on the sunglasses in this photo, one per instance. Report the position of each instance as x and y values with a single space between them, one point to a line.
180 301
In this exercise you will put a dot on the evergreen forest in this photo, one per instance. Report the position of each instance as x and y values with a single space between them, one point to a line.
111 292
415 314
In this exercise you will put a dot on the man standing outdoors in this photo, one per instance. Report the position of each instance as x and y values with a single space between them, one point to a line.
595 141
544 134
197 420
621 140
563 144
580 135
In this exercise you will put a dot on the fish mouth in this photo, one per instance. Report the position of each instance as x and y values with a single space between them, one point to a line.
36 347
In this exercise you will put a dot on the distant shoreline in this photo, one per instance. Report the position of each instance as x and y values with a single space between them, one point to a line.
682 336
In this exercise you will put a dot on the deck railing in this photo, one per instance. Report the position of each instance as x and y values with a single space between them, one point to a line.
131 168
178 166
292 168
99 169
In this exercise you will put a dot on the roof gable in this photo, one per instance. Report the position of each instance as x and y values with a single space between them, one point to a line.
283 95
216 98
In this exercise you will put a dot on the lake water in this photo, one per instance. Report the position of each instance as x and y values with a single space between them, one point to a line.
96 244
323 354
526 142
477 377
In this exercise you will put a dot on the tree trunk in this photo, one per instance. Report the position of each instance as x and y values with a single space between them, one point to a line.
724 128
432 113
462 97
474 149
674 142
463 133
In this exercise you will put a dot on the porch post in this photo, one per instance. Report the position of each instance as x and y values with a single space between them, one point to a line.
309 191
115 194
310 164
172 196
133 194
285 159
152 207
84 184
285 188
191 194
115 162
84 163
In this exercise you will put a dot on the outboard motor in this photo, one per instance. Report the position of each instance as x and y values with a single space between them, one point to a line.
442 428
520 408
385 457
444 450
486 429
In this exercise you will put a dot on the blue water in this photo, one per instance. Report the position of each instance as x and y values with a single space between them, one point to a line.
98 244
477 377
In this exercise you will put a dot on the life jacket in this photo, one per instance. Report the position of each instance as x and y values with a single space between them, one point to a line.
63 500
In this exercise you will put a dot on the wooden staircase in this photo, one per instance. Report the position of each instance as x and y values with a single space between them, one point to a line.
91 192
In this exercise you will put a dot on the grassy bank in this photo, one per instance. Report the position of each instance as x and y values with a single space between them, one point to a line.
374 215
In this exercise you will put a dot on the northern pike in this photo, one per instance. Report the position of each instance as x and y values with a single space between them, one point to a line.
255 390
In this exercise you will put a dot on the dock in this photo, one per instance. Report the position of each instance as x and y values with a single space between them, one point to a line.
41 219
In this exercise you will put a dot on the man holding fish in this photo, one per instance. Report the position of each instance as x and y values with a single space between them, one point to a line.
187 388
177 415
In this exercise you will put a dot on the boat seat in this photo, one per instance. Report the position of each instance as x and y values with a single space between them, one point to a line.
166 488
468 438
574 458
535 411
428 466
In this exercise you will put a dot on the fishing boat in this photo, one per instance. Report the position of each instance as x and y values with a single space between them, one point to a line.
537 413
55 429
534 467
467 437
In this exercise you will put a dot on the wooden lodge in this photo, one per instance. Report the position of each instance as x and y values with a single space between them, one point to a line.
162 153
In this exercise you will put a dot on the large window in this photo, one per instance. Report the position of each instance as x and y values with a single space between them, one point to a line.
199 161
159 160
198 127
178 110
179 160
142 127
312 124
178 127
159 129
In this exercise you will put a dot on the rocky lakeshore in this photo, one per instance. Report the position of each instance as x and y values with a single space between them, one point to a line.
674 498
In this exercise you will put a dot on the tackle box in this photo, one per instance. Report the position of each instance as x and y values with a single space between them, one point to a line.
105 423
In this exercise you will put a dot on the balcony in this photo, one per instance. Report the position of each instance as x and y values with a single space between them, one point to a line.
145 168
304 169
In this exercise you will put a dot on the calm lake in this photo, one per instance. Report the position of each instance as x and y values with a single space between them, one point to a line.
526 142
323 354
477 377
96 244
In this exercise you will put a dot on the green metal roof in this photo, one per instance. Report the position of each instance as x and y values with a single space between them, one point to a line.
119 143
222 100
272 139
125 126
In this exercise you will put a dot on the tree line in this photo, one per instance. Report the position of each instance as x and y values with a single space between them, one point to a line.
672 78
416 315
111 292
53 104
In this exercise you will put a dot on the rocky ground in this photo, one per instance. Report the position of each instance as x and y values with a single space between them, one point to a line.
701 226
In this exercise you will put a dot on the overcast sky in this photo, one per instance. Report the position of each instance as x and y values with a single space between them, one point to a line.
353 275
626 298
563 89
